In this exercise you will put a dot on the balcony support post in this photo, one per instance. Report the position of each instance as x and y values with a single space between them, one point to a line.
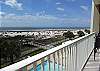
58 60
42 64
49 62
34 65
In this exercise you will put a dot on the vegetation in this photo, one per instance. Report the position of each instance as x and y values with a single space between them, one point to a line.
10 51
69 35
50 40
80 33
37 51
59 43
12 48
87 31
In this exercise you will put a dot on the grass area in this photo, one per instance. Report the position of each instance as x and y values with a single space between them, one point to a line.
59 43
50 40
37 51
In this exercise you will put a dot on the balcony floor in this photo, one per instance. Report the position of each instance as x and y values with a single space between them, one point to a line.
93 65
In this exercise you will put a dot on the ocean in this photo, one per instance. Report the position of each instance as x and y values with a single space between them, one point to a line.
38 28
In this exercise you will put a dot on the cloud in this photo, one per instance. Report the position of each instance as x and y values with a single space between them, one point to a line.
71 0
1 2
12 20
27 20
41 13
85 8
2 13
60 9
58 3
13 4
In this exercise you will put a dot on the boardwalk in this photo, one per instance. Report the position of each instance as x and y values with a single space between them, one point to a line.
93 65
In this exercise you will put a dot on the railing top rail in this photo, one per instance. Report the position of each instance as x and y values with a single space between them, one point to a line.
37 57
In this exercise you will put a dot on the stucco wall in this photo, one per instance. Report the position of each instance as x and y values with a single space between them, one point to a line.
95 20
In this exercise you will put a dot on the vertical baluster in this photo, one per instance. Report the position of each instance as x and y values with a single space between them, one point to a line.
30 66
62 59
76 59
87 47
42 64
34 65
58 60
22 69
65 58
70 58
54 61
49 61
73 57
25 68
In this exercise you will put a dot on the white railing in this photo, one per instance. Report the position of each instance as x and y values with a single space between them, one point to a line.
70 56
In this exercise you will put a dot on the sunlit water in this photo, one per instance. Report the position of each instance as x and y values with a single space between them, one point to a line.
46 67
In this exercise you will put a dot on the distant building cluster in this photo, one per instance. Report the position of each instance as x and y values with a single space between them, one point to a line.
44 34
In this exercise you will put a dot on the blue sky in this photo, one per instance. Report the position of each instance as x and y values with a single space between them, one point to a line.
45 13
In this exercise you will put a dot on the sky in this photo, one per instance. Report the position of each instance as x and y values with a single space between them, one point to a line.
45 13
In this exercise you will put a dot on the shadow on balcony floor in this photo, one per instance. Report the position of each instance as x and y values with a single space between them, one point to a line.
93 65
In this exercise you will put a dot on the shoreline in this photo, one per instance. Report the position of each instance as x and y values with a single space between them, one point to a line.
38 29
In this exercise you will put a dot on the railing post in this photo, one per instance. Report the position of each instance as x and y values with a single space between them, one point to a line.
49 61
34 65
42 64
72 57
58 59
22 69
71 62
65 58
76 59
54 61
62 59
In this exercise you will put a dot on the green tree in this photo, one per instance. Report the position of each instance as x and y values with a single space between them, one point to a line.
3 49
10 50
69 35
80 33
87 31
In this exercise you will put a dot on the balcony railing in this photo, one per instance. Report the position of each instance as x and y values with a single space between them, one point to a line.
70 56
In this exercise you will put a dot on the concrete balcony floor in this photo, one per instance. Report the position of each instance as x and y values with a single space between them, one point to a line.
93 65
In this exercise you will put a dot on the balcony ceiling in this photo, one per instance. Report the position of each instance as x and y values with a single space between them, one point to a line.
98 7
97 1
97 4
